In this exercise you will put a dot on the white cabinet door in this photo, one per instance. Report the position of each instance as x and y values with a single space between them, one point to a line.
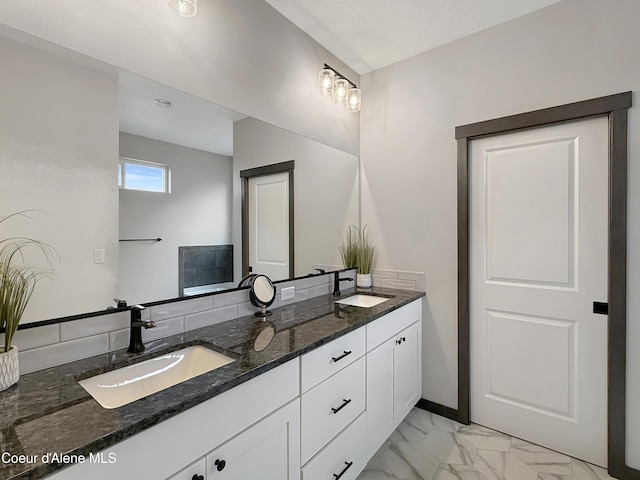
394 373
268 450
407 378
195 471
380 413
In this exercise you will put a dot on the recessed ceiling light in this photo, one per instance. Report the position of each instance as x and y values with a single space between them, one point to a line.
161 102
186 8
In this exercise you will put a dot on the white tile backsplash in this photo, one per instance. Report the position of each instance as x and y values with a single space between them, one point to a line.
384 273
210 317
35 337
231 298
246 308
163 328
49 345
404 280
300 295
63 352
399 284
409 275
313 281
119 339
178 309
320 290
87 327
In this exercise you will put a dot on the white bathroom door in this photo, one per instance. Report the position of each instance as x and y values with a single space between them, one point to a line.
538 232
269 225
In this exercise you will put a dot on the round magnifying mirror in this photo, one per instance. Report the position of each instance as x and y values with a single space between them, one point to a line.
262 294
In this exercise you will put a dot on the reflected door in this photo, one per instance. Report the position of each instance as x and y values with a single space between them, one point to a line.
269 225
538 230
268 228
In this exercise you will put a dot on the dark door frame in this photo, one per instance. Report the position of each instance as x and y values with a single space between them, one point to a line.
245 175
615 108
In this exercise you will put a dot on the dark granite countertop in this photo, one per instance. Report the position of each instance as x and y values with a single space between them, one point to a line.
48 411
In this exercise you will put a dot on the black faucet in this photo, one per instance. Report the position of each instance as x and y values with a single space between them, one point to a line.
336 283
135 338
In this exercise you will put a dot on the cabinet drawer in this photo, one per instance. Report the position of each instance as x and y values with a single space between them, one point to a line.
390 324
323 362
192 472
331 406
346 453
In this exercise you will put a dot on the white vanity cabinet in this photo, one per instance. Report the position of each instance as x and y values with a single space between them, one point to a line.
235 425
320 416
394 371
195 471
332 409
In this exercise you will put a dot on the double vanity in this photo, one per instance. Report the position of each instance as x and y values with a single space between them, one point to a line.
309 393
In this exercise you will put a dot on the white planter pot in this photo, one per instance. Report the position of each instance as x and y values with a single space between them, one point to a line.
9 371
363 280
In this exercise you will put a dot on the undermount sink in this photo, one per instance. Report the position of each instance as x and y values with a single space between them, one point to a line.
125 385
362 300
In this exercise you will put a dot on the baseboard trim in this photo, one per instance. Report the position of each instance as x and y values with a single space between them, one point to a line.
632 474
439 409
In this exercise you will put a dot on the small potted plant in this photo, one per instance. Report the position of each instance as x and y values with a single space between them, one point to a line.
366 256
17 283
349 247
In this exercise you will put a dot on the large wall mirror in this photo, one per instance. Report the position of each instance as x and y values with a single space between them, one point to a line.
73 130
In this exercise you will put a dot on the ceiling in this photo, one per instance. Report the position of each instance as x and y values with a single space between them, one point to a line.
191 121
371 34
365 34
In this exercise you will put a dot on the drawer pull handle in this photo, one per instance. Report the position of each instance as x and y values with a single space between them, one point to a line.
338 475
402 339
335 359
346 402
197 477
220 464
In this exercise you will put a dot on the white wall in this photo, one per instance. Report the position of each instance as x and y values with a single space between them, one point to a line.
241 54
326 190
244 55
58 153
571 51
196 212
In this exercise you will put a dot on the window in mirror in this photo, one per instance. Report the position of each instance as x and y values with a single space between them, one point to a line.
146 176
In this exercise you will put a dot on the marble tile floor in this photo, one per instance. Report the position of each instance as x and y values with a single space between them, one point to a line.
429 447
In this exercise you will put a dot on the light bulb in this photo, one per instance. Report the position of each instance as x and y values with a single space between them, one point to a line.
185 8
340 91
325 82
354 101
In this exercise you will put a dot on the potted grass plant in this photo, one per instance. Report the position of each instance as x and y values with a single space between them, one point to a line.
366 255
357 251
349 247
17 283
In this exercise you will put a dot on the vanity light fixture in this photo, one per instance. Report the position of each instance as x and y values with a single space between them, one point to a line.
161 102
342 91
185 8
326 78
354 100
